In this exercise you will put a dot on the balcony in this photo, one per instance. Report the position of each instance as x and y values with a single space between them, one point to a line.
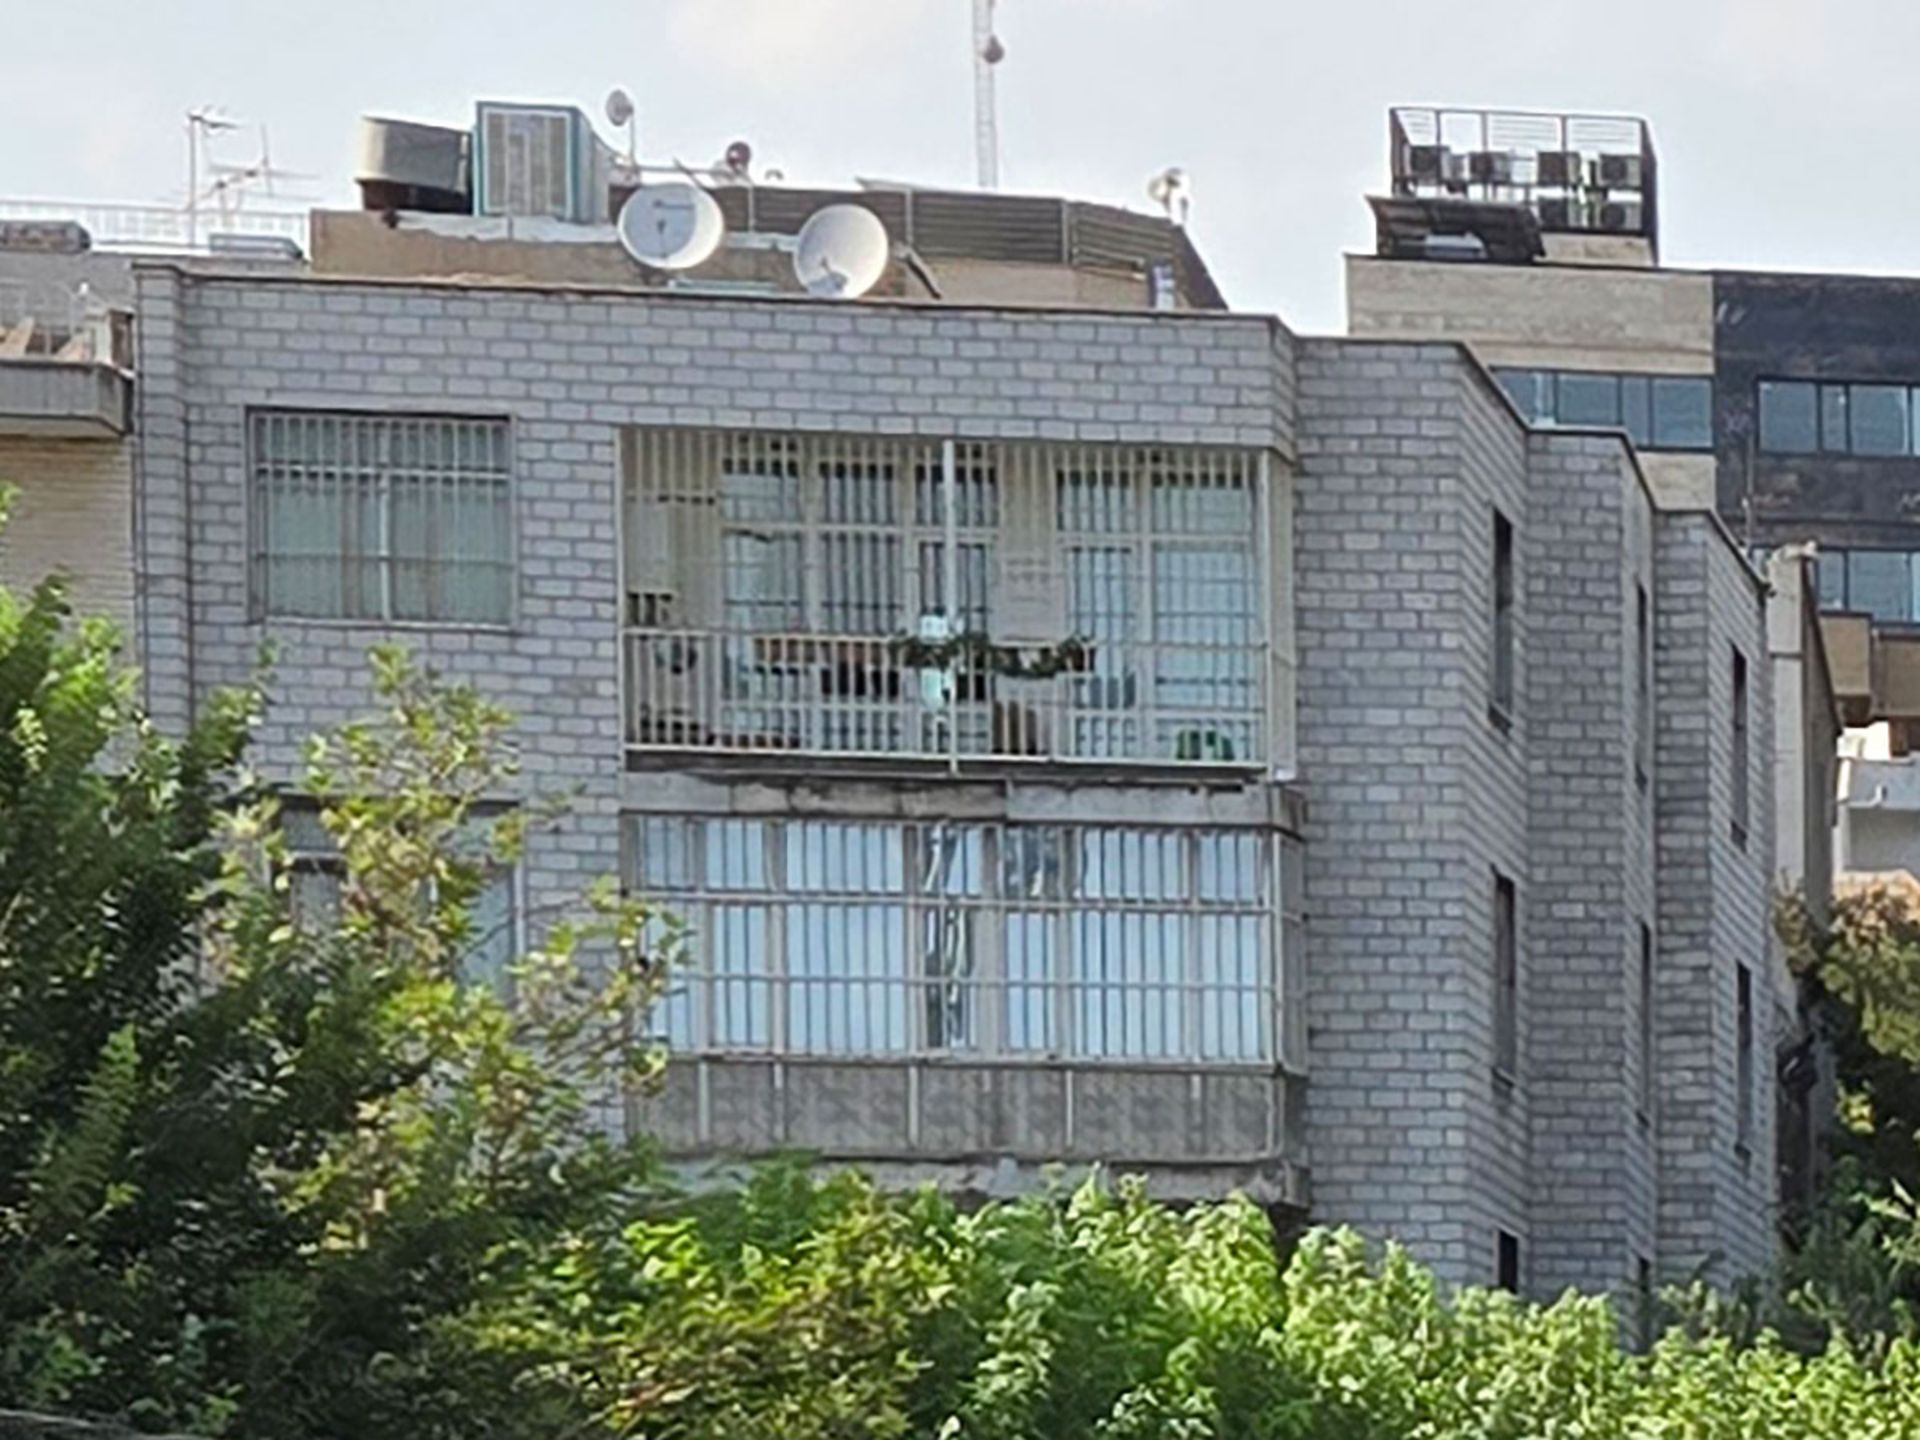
960 604
65 359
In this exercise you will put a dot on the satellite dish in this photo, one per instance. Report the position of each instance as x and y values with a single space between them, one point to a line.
619 107
842 252
738 157
671 227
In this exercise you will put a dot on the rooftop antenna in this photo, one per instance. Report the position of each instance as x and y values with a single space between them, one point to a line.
1171 192
988 52
620 112
231 181
203 121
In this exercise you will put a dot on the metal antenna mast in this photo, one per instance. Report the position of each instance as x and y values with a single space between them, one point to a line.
988 52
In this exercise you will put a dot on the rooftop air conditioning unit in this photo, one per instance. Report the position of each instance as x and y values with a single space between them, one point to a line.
1566 169
539 160
1555 214
1621 215
1622 172
1426 162
1491 167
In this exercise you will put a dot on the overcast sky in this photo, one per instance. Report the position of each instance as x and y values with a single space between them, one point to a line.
1786 128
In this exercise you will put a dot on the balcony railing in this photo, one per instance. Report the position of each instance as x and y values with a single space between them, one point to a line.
60 322
862 695
830 595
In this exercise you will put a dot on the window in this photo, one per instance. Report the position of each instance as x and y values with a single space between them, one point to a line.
1882 583
1648 1055
853 938
1503 637
370 517
1789 420
1506 980
1834 436
1506 1274
1743 1062
1658 412
1642 685
1741 758
1646 1316
315 887
1878 416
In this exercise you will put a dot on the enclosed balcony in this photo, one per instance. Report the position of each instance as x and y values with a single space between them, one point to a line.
953 602
65 363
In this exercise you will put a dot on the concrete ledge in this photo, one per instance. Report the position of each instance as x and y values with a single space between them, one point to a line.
63 399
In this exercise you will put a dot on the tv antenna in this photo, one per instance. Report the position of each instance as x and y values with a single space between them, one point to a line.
1171 192
674 226
620 112
988 52
203 122
841 252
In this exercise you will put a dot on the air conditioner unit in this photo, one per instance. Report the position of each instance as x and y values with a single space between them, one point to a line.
1621 215
1622 172
1491 167
538 160
1426 162
1555 214
1566 169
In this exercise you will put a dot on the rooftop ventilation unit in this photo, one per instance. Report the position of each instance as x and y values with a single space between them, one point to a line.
539 160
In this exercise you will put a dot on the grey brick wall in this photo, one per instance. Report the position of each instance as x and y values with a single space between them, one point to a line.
1590 859
1414 797
1716 1201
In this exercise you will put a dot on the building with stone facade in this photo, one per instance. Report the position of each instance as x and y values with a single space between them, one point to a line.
1077 723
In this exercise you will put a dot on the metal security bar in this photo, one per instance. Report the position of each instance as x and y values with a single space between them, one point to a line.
1015 941
376 517
826 594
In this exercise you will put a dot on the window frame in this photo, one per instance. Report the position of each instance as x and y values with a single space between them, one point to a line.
1506 979
1648 1032
1740 762
1643 685
1745 1045
259 560
1636 402
1507 1268
1832 425
1504 662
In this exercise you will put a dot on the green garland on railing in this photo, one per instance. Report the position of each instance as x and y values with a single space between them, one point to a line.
1072 656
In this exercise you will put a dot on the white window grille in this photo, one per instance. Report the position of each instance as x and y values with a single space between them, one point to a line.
378 517
1096 943
526 161
830 594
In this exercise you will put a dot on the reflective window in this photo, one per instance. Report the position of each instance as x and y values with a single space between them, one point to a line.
1657 412
1833 420
1882 583
1789 421
1879 419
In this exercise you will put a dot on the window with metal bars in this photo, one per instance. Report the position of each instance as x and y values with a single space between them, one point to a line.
382 517
1095 942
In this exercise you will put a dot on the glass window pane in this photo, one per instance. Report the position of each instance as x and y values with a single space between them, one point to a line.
1880 582
1589 399
1879 419
1683 413
1788 420
1832 569
1635 411
1531 392
1833 419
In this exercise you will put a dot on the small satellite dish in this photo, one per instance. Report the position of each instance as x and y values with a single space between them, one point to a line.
841 252
619 107
671 227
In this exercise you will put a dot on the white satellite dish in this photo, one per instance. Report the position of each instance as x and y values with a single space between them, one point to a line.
671 227
619 107
842 252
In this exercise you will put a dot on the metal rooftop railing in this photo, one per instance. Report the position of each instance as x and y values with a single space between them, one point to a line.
160 228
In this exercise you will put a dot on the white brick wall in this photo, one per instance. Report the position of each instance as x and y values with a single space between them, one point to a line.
72 512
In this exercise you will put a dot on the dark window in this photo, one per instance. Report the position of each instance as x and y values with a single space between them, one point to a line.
1741 754
1647 1044
1503 641
1683 414
1788 420
1636 410
1743 1064
1588 399
1642 685
1879 416
1507 1263
1506 978
1646 1319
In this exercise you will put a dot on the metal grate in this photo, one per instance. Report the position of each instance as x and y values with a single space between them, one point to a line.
1018 941
373 517
825 594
